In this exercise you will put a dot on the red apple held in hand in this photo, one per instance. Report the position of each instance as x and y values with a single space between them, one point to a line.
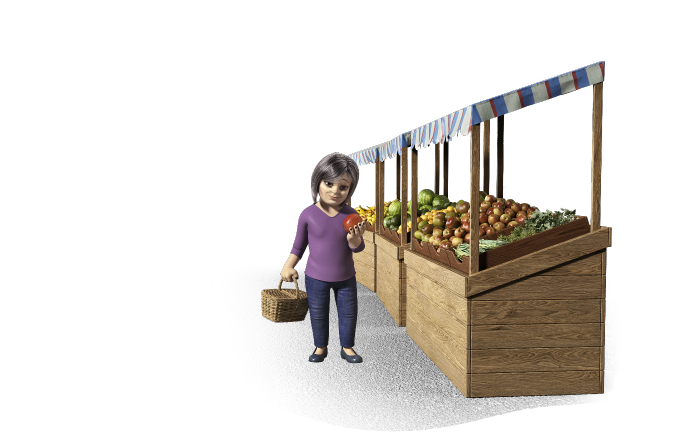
351 221
459 232
493 219
505 218
499 226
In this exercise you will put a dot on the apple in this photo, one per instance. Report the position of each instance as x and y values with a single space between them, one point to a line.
466 226
493 219
501 200
427 237
521 219
516 207
438 231
498 211
436 241
452 222
438 221
482 218
513 223
459 232
432 239
422 224
497 205
351 221
462 206
485 224
524 207
508 203
505 218
490 230
489 211
499 226
510 212
456 241
428 228
489 199
467 238
418 235
450 214
524 213
482 231
447 233
465 217
485 205
446 244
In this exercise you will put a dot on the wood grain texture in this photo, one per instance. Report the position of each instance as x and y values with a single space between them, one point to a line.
442 337
366 268
535 336
387 246
414 192
443 362
537 287
404 194
387 262
596 170
534 383
604 261
436 168
366 280
557 311
446 169
398 173
369 237
380 198
586 265
487 154
454 329
521 360
537 261
437 272
499 155
389 298
455 306
474 200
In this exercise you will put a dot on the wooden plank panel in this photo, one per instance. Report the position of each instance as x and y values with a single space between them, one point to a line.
537 261
442 275
455 330
535 336
604 286
439 336
596 162
388 246
534 383
547 311
499 155
369 250
388 263
454 305
604 262
588 265
448 367
365 280
474 200
367 261
389 298
369 237
545 287
392 279
521 360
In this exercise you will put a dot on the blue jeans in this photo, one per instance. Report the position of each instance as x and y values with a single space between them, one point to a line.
318 296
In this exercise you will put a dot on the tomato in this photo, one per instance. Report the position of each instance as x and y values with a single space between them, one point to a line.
351 221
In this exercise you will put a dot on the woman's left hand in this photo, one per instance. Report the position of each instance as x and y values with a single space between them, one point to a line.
356 232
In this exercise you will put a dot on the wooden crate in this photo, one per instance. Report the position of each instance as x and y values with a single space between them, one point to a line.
391 278
364 262
532 326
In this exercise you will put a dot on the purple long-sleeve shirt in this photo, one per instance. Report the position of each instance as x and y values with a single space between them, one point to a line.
330 255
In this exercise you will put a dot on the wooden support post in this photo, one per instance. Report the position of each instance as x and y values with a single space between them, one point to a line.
404 197
487 148
398 171
414 195
499 157
474 200
436 168
595 180
446 169
379 194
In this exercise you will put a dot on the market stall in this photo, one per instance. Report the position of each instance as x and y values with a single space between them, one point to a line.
525 317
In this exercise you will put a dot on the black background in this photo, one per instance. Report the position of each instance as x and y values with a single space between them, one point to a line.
269 125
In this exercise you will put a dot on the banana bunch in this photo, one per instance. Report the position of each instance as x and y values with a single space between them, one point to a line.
367 214
408 228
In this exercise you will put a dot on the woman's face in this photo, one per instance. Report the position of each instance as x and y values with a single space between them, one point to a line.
334 193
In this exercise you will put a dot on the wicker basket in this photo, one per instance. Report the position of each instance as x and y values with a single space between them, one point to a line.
284 305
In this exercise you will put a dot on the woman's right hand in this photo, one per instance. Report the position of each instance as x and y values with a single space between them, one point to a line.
288 273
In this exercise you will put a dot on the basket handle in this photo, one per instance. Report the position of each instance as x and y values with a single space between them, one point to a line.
297 289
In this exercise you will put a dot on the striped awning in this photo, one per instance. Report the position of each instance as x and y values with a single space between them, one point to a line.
461 121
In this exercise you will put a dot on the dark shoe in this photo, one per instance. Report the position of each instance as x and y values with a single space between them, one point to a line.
319 357
351 359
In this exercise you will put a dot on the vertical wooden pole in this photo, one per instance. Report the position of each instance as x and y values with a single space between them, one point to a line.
499 157
595 180
398 180
446 169
487 148
474 200
414 195
379 195
404 197
436 168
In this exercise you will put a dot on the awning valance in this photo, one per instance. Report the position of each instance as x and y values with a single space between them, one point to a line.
461 121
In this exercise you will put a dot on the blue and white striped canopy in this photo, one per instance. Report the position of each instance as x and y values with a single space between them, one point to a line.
461 121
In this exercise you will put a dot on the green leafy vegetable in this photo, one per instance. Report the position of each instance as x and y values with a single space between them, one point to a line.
539 222
484 245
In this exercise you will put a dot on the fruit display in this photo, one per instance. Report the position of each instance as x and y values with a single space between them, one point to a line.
368 214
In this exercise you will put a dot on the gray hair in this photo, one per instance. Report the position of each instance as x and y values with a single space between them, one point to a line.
331 168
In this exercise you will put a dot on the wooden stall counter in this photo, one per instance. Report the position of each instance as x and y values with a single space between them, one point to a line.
531 326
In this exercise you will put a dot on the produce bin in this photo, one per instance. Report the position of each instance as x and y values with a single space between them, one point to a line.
532 326
364 262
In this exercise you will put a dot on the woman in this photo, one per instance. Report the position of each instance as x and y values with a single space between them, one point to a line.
330 264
